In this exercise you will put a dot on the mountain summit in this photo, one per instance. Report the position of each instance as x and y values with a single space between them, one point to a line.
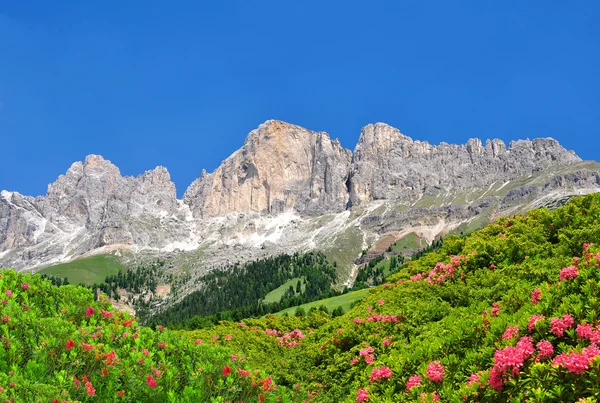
286 189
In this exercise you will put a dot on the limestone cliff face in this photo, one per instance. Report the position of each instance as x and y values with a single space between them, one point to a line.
390 165
281 167
90 206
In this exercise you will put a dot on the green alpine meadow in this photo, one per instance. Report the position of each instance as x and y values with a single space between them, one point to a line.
508 313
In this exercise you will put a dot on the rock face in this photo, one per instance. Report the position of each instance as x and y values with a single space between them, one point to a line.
280 167
91 206
390 165
289 188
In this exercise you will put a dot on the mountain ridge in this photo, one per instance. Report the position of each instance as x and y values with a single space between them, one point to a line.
289 188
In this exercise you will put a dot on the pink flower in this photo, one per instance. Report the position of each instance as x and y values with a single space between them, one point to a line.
369 308
568 272
365 352
495 380
576 362
380 302
495 309
106 314
380 373
162 344
354 361
473 379
70 344
536 296
228 337
362 396
584 331
215 337
151 381
369 359
89 311
412 382
526 346
533 321
386 342
198 341
435 372
226 370
510 332
559 325
25 286
545 349
9 293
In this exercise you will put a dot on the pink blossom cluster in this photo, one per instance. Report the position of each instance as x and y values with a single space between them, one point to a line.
533 320
291 339
569 272
362 396
440 273
577 362
412 382
536 296
380 373
382 318
559 325
435 371
418 277
545 350
272 332
495 309
368 354
511 331
587 331
473 379
509 358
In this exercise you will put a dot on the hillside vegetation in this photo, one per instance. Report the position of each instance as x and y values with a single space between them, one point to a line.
509 313
506 314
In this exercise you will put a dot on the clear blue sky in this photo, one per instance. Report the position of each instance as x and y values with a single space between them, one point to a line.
180 84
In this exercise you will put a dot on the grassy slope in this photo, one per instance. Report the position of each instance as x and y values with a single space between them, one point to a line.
451 322
344 300
276 294
89 270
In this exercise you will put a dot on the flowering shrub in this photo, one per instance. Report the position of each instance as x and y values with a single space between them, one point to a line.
447 334
61 345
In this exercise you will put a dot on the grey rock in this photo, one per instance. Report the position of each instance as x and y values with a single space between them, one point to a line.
289 189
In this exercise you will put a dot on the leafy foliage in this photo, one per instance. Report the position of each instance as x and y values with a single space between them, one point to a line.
464 322
58 344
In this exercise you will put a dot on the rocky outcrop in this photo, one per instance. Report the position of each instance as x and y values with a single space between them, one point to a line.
280 167
290 188
389 165
91 206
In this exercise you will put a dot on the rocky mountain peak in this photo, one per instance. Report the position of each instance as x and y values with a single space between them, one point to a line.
280 167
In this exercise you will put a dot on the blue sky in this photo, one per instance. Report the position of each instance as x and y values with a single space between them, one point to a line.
180 84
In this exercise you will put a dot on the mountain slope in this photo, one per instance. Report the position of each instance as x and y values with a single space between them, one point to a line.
509 313
289 189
